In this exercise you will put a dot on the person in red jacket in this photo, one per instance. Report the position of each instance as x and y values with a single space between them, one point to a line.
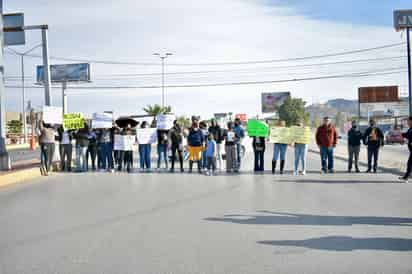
326 139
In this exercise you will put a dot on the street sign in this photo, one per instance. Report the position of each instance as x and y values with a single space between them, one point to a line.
13 26
66 73
402 19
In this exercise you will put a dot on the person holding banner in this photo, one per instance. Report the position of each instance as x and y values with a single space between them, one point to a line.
230 147
82 143
65 148
92 151
126 153
195 145
105 142
279 151
47 147
162 146
176 145
259 147
240 132
145 151
301 147
326 139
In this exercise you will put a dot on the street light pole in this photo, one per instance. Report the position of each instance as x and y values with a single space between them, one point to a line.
163 57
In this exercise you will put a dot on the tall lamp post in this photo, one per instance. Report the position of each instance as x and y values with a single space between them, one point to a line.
23 92
163 57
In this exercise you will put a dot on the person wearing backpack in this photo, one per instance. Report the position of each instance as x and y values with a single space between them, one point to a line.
259 147
176 145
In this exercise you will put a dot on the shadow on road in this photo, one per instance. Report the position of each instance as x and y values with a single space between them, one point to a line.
282 218
342 243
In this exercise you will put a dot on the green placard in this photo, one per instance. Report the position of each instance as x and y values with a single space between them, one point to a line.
256 128
73 121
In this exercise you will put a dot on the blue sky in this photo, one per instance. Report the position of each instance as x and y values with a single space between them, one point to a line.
198 31
366 12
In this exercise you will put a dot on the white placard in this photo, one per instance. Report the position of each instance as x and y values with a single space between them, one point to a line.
53 115
123 142
165 121
102 120
146 136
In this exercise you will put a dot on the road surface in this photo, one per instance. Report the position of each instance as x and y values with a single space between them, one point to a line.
187 223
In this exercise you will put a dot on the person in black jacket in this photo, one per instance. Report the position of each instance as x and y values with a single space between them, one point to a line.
176 145
408 135
374 139
259 147
354 143
82 143
217 132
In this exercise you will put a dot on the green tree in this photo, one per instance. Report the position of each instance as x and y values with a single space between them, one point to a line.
184 121
292 111
157 109
14 127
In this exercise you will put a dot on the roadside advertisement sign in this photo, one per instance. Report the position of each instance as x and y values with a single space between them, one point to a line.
13 24
380 94
256 128
66 73
273 100
72 121
52 115
241 116
402 19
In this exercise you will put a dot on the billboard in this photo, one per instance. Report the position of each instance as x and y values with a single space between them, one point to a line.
378 94
66 73
271 101
402 19
387 109
14 34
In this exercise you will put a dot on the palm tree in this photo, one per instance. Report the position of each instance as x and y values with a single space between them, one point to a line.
156 109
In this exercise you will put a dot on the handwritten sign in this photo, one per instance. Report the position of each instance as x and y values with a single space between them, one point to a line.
256 128
52 115
123 142
146 136
72 121
301 135
165 121
280 135
102 120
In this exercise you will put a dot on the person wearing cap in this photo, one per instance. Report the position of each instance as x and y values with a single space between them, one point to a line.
326 139
373 138
354 144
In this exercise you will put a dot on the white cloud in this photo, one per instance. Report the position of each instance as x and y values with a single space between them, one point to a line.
197 32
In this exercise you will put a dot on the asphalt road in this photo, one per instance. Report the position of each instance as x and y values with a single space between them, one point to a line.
188 223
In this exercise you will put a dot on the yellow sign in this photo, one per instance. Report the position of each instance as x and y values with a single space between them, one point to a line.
280 135
285 135
73 121
301 135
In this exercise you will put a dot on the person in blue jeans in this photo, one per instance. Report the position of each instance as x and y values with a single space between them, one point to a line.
326 139
105 140
162 144
279 151
145 152
240 132
301 151
259 146
205 133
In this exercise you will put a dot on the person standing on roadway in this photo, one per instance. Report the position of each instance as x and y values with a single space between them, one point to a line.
195 145
217 132
326 139
240 132
47 147
176 145
354 144
373 138
279 151
408 135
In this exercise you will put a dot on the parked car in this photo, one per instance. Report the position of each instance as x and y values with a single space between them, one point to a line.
394 136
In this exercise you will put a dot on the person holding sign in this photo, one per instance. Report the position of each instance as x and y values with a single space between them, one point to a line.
217 132
301 147
195 145
47 147
259 147
126 153
230 147
326 139
280 148
82 144
65 148
145 151
162 145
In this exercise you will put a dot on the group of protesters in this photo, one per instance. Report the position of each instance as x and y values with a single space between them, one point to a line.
206 146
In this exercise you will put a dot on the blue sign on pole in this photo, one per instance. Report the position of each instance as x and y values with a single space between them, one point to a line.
66 73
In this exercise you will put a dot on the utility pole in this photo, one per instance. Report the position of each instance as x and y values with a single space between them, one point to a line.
5 163
163 57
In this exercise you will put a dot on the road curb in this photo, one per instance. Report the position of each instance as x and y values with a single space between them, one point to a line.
20 176
362 163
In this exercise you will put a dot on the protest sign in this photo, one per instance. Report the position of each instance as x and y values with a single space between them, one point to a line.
301 135
280 135
102 120
165 121
52 115
72 121
123 142
146 135
256 128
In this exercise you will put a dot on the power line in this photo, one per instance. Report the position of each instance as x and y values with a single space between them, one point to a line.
350 75
110 62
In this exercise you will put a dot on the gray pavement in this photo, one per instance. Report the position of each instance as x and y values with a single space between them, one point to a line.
188 223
